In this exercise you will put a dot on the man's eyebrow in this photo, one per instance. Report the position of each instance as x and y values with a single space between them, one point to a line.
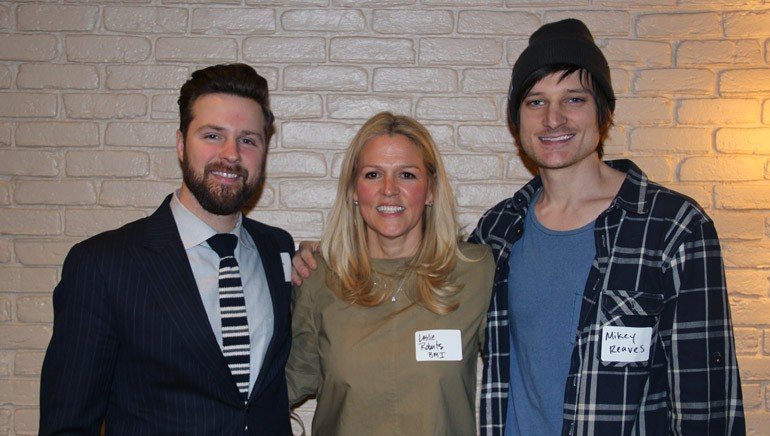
210 126
220 129
581 90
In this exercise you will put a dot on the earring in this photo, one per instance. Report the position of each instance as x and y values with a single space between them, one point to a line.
429 204
355 203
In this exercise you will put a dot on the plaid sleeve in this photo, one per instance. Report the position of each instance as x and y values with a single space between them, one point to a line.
494 387
704 389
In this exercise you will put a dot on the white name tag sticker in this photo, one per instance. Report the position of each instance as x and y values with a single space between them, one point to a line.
626 344
438 345
286 261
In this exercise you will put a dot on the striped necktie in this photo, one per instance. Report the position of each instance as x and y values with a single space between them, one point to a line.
232 309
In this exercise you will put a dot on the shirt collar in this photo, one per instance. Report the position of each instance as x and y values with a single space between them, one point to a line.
195 231
632 195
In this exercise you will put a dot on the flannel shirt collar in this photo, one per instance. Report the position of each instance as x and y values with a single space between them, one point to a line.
632 195
523 196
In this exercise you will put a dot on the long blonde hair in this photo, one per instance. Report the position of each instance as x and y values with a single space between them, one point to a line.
344 245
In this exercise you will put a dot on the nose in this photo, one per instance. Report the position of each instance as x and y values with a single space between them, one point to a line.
389 187
554 116
230 151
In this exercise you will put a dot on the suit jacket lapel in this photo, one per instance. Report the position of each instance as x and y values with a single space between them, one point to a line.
269 253
164 259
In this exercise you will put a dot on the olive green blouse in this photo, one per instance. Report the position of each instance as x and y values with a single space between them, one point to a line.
392 369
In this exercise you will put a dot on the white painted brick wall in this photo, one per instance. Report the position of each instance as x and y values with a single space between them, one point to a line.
88 115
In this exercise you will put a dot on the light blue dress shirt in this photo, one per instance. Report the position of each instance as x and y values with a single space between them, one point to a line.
205 265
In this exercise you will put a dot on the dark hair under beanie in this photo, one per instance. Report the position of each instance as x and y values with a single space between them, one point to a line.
563 42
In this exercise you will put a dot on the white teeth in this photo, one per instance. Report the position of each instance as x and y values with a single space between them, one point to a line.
224 174
390 209
558 138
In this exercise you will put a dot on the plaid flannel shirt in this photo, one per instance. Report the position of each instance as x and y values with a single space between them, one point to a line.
658 264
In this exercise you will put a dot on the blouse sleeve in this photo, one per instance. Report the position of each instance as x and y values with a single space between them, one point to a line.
302 369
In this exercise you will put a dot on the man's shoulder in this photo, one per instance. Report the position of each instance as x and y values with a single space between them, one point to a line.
128 233
157 225
500 216
644 196
111 245
518 201
501 206
253 225
666 202
262 226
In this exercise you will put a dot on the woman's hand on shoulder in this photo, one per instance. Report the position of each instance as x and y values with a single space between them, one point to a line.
303 262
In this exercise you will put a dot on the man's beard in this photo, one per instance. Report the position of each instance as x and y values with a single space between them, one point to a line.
214 197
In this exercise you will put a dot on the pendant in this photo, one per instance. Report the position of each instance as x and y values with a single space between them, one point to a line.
393 298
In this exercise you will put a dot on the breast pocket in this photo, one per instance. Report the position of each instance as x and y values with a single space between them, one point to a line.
629 329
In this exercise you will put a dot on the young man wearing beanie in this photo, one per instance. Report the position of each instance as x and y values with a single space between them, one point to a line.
610 313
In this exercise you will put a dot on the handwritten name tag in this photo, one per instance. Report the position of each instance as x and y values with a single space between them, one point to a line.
286 261
626 344
438 345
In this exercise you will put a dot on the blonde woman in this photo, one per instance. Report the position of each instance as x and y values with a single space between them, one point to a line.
386 332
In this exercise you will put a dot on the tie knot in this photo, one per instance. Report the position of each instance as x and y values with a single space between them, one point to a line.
223 243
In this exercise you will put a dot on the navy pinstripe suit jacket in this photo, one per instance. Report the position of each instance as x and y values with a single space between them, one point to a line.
132 346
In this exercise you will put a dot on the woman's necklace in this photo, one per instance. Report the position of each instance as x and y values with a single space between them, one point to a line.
395 293
401 285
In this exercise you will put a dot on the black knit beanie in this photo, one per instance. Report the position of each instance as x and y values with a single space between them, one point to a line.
563 42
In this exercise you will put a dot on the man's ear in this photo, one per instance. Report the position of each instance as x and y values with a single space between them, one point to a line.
179 145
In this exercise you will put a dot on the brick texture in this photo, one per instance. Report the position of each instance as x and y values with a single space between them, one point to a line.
88 116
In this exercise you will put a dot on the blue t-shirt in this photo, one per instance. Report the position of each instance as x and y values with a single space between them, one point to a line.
548 272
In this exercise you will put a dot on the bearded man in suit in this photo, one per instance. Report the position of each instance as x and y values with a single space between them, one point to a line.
138 346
